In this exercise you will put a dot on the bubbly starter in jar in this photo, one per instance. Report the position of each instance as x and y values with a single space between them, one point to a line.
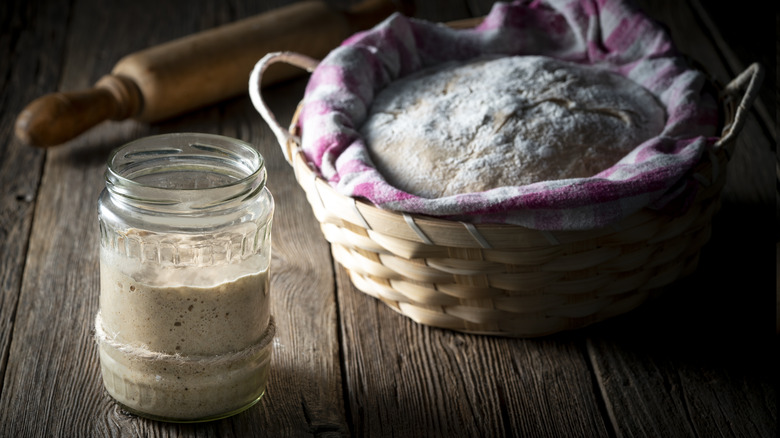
184 351
184 330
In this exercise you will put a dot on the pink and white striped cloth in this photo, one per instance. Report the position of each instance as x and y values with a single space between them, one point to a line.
610 33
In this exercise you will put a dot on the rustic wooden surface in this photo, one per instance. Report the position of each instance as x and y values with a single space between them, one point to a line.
701 361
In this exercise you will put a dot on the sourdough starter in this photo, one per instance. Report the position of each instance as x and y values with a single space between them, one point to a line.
185 351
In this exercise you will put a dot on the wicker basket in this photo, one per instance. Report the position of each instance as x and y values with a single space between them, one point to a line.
505 279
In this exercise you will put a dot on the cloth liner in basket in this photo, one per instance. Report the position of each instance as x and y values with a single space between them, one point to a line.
609 34
527 260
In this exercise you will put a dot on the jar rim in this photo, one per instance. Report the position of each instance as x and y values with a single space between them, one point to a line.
189 137
183 173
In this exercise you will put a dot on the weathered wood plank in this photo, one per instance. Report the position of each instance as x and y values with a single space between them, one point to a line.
697 362
306 380
405 379
31 43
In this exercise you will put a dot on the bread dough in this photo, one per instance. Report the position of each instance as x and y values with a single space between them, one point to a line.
505 121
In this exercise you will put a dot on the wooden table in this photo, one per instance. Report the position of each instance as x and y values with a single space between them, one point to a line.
700 361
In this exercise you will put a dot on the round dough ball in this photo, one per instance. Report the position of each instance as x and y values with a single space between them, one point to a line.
505 121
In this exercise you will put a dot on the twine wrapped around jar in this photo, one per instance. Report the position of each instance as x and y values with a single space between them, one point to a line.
104 336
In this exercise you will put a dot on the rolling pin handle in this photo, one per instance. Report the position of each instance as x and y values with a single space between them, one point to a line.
127 96
58 117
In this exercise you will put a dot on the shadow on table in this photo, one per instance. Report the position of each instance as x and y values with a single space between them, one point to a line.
724 314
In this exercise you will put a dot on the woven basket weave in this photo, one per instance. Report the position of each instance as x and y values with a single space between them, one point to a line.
506 279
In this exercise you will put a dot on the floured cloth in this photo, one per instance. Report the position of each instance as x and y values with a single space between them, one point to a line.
611 34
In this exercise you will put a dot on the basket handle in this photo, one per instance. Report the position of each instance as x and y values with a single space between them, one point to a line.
283 136
750 80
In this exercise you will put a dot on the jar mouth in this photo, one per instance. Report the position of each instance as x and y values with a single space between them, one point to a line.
192 171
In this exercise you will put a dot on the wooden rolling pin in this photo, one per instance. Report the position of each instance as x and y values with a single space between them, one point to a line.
196 70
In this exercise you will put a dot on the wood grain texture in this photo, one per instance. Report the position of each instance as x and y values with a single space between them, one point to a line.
405 378
32 53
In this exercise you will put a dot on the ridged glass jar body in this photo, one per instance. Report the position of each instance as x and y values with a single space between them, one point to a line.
184 328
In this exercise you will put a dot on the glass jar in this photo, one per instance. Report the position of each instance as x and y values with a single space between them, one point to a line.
184 327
